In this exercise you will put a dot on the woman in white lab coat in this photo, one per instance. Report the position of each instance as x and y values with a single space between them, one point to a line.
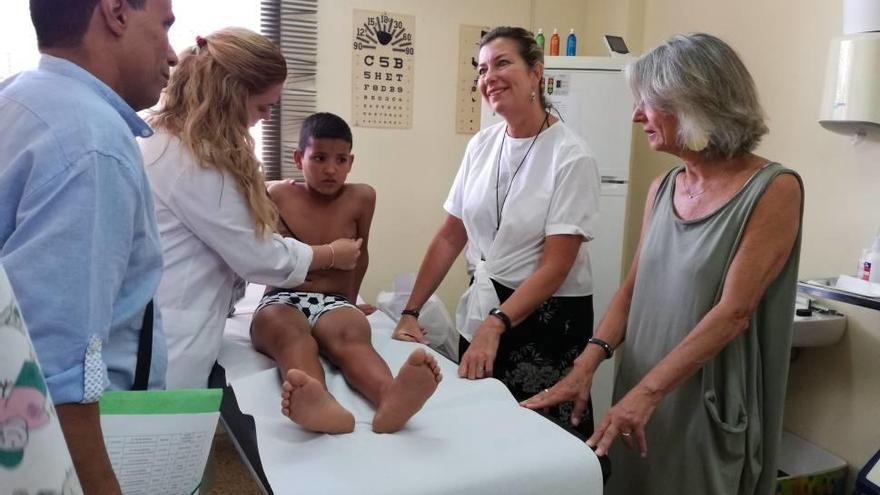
524 201
703 319
215 217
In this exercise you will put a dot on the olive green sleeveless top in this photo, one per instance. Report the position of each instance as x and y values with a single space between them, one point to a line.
718 432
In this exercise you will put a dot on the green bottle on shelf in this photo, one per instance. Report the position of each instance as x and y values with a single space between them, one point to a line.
539 38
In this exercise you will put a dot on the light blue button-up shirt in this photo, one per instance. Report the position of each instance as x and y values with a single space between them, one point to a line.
78 235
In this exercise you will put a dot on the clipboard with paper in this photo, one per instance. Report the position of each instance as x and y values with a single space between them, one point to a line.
158 441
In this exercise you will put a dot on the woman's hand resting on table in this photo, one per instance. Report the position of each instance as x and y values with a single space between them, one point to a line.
479 359
573 387
408 329
627 419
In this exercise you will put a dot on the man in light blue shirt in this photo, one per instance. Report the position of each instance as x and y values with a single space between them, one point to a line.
78 235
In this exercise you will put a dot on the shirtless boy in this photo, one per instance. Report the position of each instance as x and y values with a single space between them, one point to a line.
293 326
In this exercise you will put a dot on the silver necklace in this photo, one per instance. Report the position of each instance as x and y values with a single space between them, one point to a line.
687 189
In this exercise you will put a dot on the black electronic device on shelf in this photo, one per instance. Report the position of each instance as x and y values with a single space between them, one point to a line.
616 45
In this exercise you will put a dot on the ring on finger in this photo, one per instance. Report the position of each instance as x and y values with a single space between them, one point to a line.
626 433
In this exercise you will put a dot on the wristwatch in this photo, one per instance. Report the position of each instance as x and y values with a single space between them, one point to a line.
609 351
501 315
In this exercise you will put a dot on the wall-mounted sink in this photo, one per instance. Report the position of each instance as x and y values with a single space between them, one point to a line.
816 326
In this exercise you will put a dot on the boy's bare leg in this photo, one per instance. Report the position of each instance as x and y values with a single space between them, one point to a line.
283 333
344 337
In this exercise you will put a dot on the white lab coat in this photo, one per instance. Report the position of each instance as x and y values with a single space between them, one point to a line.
207 237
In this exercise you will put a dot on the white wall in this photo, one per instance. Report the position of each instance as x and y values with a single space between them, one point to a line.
590 19
18 43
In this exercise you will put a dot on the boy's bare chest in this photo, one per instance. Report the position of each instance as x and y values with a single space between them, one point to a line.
313 223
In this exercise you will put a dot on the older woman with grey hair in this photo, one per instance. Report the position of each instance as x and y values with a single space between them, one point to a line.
703 319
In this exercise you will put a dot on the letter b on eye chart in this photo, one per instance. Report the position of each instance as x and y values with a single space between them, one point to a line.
383 57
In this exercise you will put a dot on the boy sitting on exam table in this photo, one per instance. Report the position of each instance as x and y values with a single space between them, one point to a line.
292 326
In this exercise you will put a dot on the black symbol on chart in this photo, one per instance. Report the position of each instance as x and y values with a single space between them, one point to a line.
384 30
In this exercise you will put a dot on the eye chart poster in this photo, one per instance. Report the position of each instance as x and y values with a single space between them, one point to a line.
383 57
468 98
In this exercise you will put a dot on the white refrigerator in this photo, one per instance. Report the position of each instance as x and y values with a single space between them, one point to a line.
592 97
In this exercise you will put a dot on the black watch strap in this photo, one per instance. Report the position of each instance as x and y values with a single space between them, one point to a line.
412 312
501 315
609 351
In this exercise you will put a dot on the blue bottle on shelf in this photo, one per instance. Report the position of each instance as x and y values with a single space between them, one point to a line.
571 44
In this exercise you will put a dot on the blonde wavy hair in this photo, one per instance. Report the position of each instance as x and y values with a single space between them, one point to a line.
205 105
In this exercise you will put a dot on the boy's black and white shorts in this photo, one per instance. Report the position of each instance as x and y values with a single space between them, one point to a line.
312 304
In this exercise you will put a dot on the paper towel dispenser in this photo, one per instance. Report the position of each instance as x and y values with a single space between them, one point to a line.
851 100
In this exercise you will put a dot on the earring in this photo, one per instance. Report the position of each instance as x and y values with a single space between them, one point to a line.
698 141
532 96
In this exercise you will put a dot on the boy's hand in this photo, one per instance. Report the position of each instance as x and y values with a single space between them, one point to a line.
346 253
367 309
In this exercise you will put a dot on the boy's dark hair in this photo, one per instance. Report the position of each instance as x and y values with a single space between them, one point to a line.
323 125
63 23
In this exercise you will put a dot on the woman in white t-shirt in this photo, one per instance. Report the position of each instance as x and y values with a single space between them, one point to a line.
524 202
215 218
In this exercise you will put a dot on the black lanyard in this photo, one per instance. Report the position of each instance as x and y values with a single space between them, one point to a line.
499 203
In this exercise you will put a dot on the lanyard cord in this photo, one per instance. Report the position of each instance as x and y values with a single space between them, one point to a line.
499 204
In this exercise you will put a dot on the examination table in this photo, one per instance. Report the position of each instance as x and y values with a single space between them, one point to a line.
471 437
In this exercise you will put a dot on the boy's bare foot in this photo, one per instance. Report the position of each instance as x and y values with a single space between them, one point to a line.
305 401
414 384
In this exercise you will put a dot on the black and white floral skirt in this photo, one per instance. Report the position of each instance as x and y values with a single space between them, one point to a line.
538 352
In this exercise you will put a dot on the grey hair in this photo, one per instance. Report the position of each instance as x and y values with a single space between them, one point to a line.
701 80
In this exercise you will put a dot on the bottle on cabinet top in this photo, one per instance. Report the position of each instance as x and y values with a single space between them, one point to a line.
870 262
539 38
571 44
554 44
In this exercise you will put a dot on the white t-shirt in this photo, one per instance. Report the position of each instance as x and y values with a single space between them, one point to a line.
207 236
555 191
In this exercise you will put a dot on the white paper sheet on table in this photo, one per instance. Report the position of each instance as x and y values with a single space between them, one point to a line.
471 436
